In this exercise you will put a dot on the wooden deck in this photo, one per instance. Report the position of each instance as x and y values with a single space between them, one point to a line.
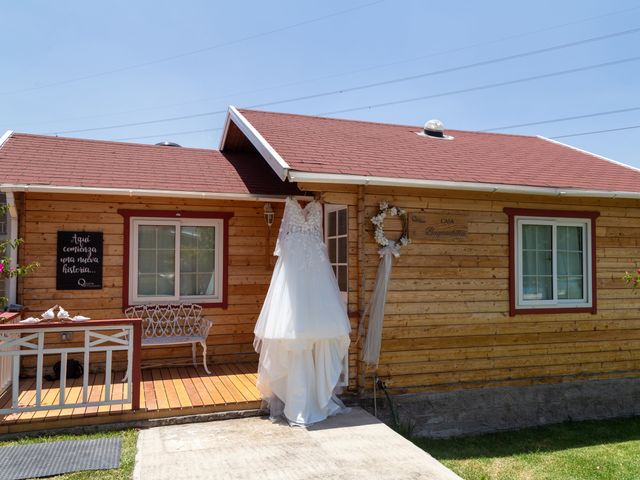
165 392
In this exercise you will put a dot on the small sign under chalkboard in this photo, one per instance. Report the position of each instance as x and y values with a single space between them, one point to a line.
79 261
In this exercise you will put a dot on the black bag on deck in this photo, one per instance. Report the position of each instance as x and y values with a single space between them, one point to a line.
74 370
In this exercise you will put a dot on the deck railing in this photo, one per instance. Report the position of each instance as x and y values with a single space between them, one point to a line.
104 337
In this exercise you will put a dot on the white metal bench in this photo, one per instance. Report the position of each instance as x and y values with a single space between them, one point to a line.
173 324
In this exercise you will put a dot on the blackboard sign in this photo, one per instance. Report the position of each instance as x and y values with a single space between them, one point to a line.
79 261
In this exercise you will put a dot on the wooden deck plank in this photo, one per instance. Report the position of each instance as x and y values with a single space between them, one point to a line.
118 392
97 385
158 386
166 392
181 390
26 396
226 380
186 375
237 382
250 386
170 389
221 386
211 388
150 402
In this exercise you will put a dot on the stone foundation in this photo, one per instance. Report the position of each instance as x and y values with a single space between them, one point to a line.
466 412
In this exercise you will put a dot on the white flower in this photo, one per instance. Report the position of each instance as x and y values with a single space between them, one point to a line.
404 241
393 212
384 205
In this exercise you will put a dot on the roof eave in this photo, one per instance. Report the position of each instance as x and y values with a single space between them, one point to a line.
5 136
334 178
273 158
141 192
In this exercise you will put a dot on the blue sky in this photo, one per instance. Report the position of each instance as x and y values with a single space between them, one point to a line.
75 65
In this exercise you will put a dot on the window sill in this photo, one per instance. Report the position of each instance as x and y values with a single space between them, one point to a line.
550 310
205 304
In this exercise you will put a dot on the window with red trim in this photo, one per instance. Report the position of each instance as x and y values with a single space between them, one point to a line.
552 261
175 257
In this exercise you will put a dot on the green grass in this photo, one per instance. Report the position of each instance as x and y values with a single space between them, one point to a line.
127 454
606 450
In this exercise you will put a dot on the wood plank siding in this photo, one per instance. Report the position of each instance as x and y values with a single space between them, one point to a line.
447 323
250 265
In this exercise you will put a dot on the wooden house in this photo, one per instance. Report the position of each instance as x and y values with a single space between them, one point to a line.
506 309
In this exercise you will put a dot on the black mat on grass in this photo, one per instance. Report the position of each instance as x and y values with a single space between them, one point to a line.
53 458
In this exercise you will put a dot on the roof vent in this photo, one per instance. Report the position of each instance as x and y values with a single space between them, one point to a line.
168 144
434 129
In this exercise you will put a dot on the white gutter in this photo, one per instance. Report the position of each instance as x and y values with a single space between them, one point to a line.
13 252
296 176
7 187
273 158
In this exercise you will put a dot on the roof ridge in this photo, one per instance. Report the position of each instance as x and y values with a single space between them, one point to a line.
110 142
388 124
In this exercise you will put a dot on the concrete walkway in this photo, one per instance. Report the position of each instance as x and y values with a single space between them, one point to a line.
351 446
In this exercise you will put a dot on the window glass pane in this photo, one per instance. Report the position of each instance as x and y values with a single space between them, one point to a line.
187 260
574 238
146 284
528 237
537 288
166 284
331 224
529 263
574 263
156 260
343 281
342 221
205 284
537 262
187 283
188 238
563 288
197 260
575 288
147 261
332 250
544 262
543 237
342 250
146 236
545 288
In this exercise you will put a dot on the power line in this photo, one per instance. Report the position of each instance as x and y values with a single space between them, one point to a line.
371 85
168 134
561 119
541 122
351 72
195 52
593 132
484 87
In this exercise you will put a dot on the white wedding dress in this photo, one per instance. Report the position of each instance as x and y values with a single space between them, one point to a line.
302 333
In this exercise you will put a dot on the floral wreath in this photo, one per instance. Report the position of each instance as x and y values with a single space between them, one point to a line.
378 221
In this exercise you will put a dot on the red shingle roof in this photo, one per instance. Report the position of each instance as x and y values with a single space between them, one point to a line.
43 160
326 145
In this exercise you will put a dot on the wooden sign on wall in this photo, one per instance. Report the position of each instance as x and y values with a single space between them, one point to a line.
438 226
79 261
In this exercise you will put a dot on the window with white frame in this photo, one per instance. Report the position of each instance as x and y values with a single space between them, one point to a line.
176 260
553 262
336 238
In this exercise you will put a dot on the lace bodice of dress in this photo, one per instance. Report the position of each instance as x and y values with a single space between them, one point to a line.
305 220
